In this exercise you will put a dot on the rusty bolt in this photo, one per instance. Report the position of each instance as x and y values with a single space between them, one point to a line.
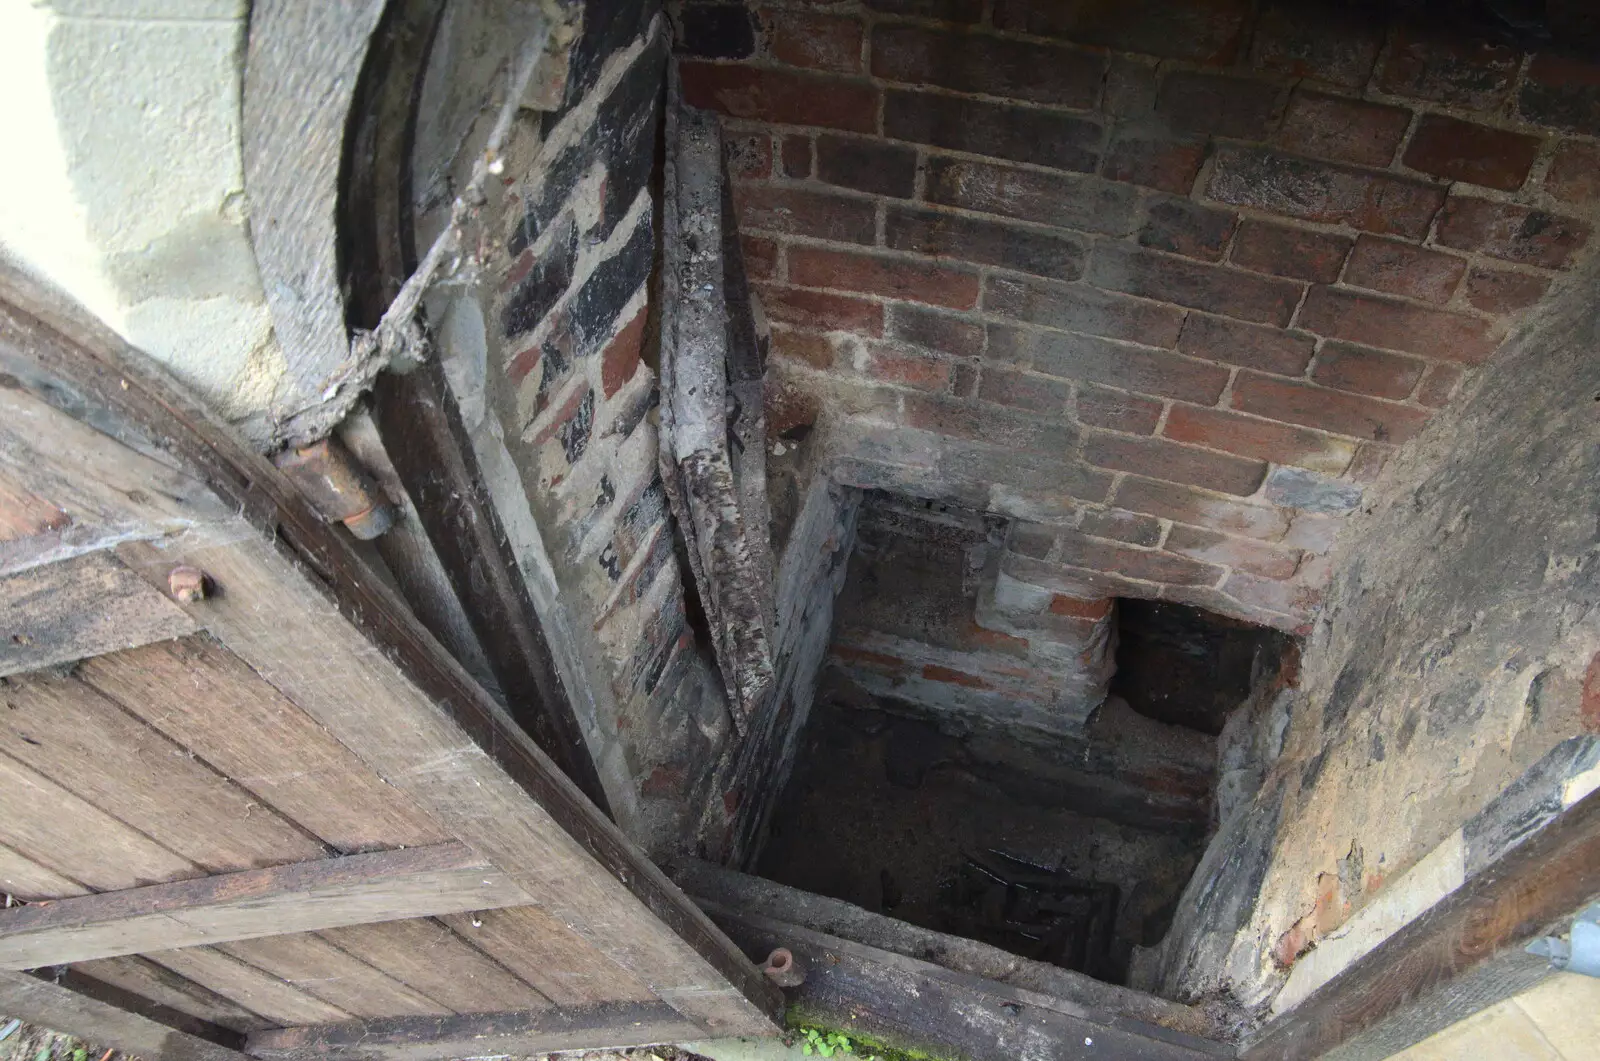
188 584
784 969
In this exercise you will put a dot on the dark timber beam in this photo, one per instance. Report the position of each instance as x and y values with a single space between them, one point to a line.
99 1013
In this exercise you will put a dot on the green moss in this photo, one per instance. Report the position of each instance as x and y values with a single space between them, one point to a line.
863 1046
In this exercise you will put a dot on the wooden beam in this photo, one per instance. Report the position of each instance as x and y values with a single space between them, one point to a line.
301 897
616 1024
107 1016
1533 889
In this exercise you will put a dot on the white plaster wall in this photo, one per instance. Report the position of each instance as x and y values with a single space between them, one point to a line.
122 184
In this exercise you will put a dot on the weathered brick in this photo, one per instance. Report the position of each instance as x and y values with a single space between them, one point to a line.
944 10
1312 533
1042 394
1310 492
989 423
964 379
1122 526
540 282
1562 92
1229 292
1466 151
749 154
1297 253
814 40
818 311
796 155
1285 597
1154 160
935 673
1084 608
1241 554
1202 509
1180 226
1115 410
988 65
1313 191
1449 68
1077 307
1041 252
1374 321
1404 269
716 31
783 96
867 165
903 368
1120 365
1249 345
1438 385
1370 460
928 328
1357 368
1202 30
1574 175
1337 44
1130 86
902 278
807 348
1248 436
1327 410
1219 104
1159 459
1080 550
1343 129
620 359
1504 291
1513 233
1021 134
760 257
800 212
1061 199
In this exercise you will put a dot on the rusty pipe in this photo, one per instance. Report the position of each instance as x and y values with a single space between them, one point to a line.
337 487
784 969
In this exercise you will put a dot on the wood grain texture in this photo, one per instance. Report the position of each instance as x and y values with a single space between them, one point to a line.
202 697
323 970
59 612
24 514
139 976
23 878
427 955
76 1012
357 889
242 983
564 966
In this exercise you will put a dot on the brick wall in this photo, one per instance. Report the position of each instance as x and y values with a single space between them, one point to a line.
1170 280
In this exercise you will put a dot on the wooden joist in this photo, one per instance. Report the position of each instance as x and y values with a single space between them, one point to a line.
101 1014
302 897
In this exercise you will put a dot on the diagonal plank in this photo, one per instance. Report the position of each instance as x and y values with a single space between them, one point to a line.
303 897
65 1005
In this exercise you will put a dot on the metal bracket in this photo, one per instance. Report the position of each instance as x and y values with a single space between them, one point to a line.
1580 951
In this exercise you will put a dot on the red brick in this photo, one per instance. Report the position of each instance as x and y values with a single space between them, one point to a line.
1562 92
1327 410
1064 200
1241 554
991 424
796 155
1020 134
1315 191
1337 44
1179 226
1466 151
1438 385
1248 436
1370 460
964 380
1374 321
1343 129
797 212
1218 104
1116 411
788 408
935 673
1079 607
1042 252
782 96
1079 308
749 155
807 348
1160 459
867 165
987 65
1202 509
621 357
876 660
903 369
760 257
1514 233
1503 291
1574 175
1249 345
1297 253
1365 371
1120 365
1042 394
1130 86
817 41
1130 527
821 312
902 278
1287 598
1406 269
1228 292
1202 30
1154 161
1078 550
1449 68
943 332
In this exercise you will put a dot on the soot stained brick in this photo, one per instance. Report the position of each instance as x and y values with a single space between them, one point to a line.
538 292
608 27
1043 253
595 307
1202 30
716 31
867 165
1062 199
1313 191
1212 103
1179 226
993 66
1326 42
1021 134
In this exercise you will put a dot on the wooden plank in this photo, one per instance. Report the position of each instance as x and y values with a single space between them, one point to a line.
24 514
23 878
618 1024
323 970
426 955
146 979
261 741
566 968
1530 890
244 984
84 606
305 897
70 1008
